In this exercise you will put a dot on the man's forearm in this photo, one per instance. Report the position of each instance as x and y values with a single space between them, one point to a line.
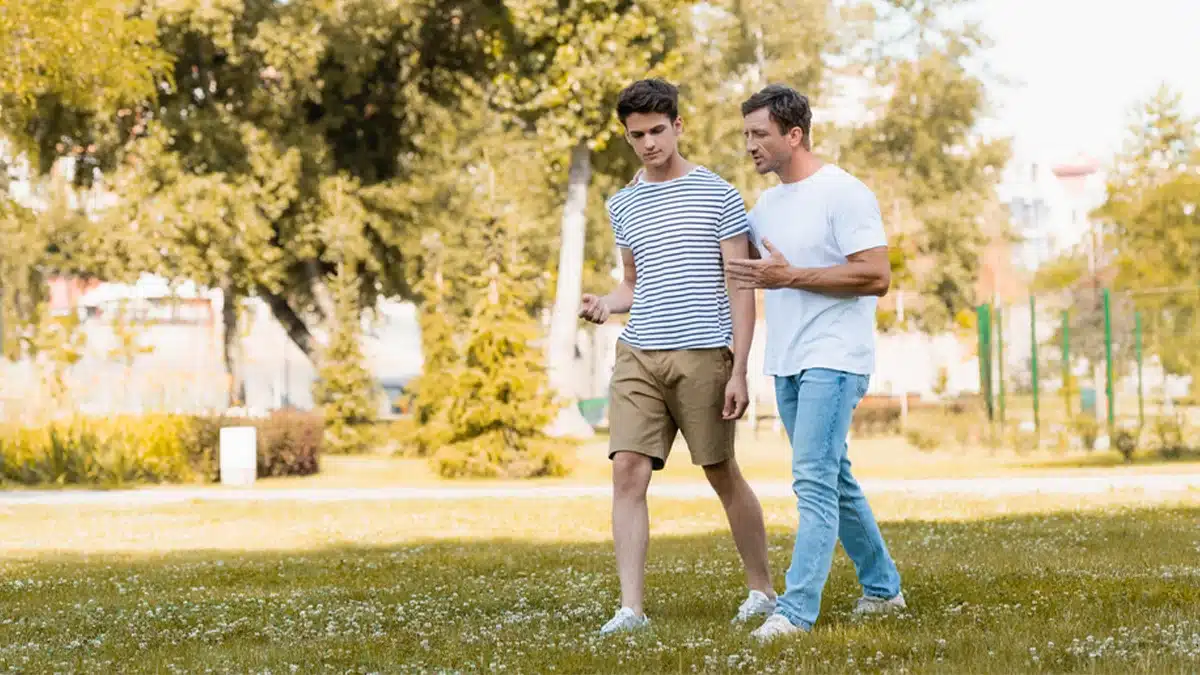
620 300
847 280
742 307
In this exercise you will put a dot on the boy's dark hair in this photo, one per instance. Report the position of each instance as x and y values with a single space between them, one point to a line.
789 108
648 97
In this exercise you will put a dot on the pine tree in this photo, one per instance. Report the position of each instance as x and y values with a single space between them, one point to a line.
345 389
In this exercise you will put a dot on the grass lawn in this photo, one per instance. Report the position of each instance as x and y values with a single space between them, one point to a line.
765 458
1097 583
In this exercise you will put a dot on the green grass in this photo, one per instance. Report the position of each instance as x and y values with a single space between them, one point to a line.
1102 583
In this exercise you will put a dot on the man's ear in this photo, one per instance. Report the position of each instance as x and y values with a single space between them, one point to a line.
796 137
678 124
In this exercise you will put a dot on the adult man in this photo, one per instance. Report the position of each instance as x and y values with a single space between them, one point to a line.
823 258
674 369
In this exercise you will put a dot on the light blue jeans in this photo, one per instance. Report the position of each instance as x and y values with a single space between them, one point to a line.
816 407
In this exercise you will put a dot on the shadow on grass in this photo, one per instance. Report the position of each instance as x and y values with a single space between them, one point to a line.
1110 592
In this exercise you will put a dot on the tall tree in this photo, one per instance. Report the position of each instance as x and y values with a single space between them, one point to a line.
1152 219
59 62
569 60
934 173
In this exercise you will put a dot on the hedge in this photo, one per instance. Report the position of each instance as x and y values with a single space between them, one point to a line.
157 448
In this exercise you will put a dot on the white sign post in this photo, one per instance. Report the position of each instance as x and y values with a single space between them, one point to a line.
238 456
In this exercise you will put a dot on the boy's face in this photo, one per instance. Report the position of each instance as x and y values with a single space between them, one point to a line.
654 137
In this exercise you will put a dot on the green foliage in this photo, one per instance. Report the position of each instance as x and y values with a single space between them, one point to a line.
89 451
1152 212
933 173
62 59
345 389
150 449
482 402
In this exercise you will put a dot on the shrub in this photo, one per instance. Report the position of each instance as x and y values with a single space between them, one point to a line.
1169 432
1088 430
114 451
289 443
92 451
492 456
1125 441
922 439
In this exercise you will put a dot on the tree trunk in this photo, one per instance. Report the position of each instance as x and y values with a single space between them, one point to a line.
564 318
293 324
324 299
234 377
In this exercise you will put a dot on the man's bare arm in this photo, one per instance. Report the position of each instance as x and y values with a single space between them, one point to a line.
867 272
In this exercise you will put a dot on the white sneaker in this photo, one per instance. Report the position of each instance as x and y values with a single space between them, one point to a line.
624 619
756 604
868 605
776 626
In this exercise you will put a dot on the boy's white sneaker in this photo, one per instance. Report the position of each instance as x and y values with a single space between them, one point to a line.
624 619
755 605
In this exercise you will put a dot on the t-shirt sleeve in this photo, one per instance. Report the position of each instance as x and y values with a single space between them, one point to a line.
857 223
618 229
733 219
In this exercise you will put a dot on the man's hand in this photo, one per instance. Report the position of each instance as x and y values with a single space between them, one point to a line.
593 308
737 397
773 271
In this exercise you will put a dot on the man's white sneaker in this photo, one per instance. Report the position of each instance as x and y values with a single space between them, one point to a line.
625 619
776 626
868 605
756 604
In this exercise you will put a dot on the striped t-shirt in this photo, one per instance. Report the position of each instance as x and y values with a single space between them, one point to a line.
675 229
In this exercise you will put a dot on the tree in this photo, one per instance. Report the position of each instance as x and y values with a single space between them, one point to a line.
59 62
345 390
568 62
285 117
81 55
1152 219
933 173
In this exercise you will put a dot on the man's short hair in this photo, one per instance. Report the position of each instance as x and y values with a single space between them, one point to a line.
648 97
789 108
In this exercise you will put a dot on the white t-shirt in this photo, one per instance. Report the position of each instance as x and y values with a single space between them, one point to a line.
818 222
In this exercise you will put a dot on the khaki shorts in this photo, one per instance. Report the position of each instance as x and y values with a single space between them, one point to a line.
655 394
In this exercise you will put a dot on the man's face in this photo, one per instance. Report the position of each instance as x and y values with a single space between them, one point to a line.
769 148
653 136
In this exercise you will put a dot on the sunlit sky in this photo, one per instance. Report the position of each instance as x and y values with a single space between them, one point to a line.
1078 65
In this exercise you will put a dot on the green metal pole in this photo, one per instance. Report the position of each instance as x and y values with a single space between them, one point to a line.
1137 345
1033 345
1066 361
1000 363
1108 359
985 360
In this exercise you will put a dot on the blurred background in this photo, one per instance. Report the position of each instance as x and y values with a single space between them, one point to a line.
361 228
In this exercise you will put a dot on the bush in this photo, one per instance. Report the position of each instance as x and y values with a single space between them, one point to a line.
923 440
1088 430
1125 441
1169 431
492 456
119 450
92 451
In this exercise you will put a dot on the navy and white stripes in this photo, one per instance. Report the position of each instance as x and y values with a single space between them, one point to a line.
674 230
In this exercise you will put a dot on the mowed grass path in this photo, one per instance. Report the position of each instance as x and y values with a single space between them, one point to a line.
1088 585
